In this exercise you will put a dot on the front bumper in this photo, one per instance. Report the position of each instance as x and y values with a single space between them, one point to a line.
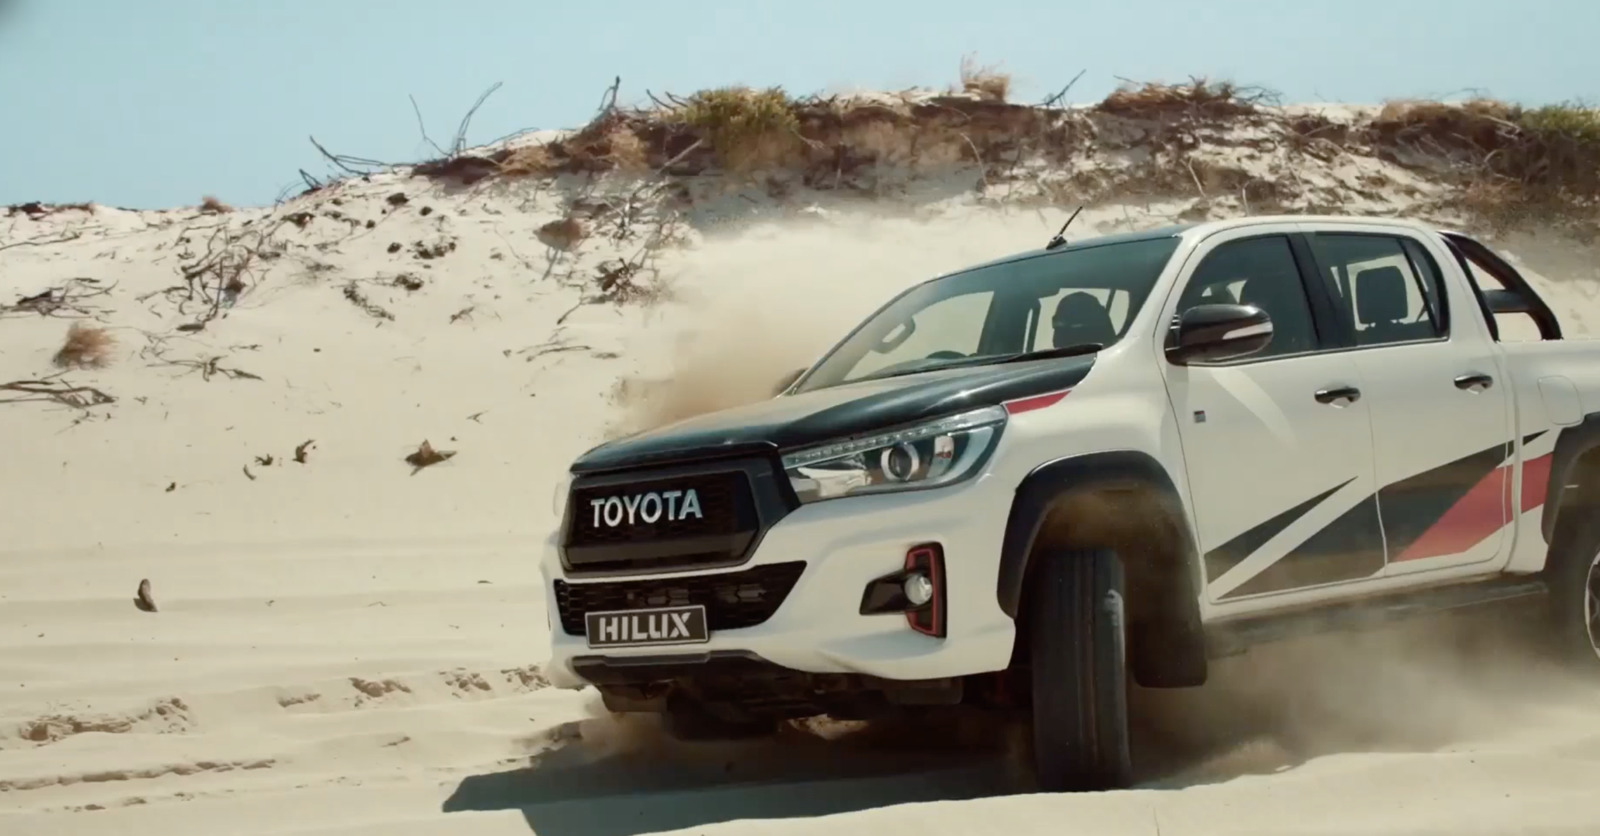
840 546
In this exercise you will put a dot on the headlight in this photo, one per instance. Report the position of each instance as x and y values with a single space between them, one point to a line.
928 455
558 499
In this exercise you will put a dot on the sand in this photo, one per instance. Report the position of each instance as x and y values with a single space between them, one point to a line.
348 644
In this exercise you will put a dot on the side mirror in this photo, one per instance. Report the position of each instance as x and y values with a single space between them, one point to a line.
1213 333
786 381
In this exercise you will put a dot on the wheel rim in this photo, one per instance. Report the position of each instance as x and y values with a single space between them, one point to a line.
1591 604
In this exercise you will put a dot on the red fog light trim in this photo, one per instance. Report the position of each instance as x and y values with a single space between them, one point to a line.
1033 402
928 620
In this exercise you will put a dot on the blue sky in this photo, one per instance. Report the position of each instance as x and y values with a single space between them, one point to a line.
153 103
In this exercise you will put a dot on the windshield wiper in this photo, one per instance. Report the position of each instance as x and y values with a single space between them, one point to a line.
1046 353
992 360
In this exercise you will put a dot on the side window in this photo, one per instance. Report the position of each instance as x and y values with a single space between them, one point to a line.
949 326
1261 272
1379 289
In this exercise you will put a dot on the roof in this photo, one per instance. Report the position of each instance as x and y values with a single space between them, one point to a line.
1201 229
1085 243
1209 227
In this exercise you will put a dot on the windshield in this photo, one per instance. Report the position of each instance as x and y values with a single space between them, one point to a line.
1056 300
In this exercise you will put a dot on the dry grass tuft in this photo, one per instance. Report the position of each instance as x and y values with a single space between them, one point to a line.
527 161
1199 97
608 143
1478 122
747 129
1414 111
563 234
987 82
86 347
1511 158
211 206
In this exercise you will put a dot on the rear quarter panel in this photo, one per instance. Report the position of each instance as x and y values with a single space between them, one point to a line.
1556 386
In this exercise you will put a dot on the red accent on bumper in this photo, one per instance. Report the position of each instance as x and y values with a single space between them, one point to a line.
928 558
1033 402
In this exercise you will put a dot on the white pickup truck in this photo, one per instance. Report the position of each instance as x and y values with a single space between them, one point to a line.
1021 485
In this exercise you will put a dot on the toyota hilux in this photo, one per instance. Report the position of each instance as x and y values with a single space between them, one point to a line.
1023 485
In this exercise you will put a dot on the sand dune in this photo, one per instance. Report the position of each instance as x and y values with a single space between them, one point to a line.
350 644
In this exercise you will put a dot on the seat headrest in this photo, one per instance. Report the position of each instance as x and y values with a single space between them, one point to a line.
1080 318
1267 292
1381 295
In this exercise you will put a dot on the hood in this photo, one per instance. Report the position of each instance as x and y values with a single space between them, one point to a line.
851 409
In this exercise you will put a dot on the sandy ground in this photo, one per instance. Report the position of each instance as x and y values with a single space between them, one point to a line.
344 645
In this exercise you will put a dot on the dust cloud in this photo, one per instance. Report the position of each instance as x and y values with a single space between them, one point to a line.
768 301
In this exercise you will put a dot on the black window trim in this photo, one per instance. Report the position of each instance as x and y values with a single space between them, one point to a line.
1441 315
1324 279
1463 247
1321 306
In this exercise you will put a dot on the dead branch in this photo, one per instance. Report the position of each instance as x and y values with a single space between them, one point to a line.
226 269
63 302
207 366
57 391
1051 102
460 142
353 293
42 240
422 127
345 161
608 99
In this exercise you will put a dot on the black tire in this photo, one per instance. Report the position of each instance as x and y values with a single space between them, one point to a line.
1574 585
1076 634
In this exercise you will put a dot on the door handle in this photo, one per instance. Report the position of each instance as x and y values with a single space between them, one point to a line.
1474 382
1347 394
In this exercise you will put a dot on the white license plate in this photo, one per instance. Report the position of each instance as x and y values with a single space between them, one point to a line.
661 627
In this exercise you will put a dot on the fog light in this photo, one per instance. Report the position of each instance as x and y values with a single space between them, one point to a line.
918 589
917 592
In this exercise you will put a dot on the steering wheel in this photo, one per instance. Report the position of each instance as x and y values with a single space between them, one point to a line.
946 355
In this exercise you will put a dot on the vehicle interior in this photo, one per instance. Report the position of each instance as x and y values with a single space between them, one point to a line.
1052 301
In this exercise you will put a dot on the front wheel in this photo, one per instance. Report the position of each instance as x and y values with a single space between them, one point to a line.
1076 632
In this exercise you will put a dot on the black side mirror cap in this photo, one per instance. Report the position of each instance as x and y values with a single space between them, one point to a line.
1218 332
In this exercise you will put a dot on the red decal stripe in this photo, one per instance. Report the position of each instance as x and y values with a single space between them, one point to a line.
1475 516
1535 482
1484 510
1035 402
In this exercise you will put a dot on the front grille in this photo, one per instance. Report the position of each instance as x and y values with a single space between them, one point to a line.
692 520
732 600
724 502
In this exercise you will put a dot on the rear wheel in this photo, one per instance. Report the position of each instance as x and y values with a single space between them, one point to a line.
1076 634
1591 606
1573 579
1575 610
